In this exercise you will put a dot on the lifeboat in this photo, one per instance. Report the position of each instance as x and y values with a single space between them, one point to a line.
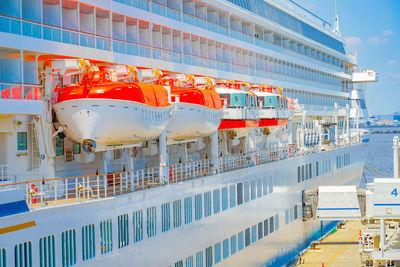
197 107
107 106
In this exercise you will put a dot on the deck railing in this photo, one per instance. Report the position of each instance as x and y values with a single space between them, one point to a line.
10 90
61 191
3 172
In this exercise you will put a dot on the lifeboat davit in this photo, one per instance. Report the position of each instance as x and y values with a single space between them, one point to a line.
107 110
197 107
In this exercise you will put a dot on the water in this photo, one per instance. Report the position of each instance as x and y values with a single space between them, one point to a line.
380 154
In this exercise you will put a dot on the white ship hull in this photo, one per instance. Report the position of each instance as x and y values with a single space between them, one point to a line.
109 122
282 193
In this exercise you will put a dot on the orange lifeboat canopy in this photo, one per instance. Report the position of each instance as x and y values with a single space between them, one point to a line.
201 97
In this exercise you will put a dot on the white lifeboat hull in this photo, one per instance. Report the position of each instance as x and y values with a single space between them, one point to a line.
191 121
110 122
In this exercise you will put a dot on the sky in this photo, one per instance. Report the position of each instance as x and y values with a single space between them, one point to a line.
372 29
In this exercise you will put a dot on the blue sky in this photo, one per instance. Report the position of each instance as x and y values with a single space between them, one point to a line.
372 29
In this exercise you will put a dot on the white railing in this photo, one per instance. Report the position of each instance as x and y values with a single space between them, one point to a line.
3 172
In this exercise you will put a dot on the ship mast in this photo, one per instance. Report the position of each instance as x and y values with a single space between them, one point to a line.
336 24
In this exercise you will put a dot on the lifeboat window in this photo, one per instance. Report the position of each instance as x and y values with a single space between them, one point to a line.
23 254
151 221
88 242
22 141
68 241
123 231
106 240
240 240
233 244
224 193
59 146
207 204
177 213
165 217
217 253
225 248
232 196
199 259
216 201
198 207
47 251
137 225
188 210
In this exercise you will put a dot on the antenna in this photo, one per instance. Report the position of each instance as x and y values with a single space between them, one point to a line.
336 24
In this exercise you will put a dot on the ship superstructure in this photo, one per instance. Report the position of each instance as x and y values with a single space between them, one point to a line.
193 125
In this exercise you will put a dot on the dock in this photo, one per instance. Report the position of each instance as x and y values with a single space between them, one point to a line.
340 248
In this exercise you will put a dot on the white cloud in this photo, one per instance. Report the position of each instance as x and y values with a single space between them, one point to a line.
392 62
353 42
381 38
387 33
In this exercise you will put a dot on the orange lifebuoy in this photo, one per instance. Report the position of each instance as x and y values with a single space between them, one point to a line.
33 193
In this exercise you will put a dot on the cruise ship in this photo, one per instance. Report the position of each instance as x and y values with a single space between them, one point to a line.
170 132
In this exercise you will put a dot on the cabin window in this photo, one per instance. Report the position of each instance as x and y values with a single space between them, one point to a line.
259 187
76 148
233 244
217 253
239 193
22 141
151 221
316 168
240 240
225 248
165 217
302 173
106 240
291 214
207 204
310 170
177 213
295 212
298 174
123 231
232 196
265 186
23 254
224 191
199 259
246 191
188 210
88 242
179 263
287 216
271 185
265 227
253 189
247 237
216 201
198 207
189 261
209 257
260 230
276 222
253 234
59 146
271 225
47 254
137 225
3 257
68 241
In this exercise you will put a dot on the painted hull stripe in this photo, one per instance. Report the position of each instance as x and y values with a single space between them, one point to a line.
17 227
387 204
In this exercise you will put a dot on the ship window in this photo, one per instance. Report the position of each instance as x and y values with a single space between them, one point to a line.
291 214
240 193
246 191
271 185
276 222
240 241
106 240
179 263
302 173
253 189
287 216
217 252
165 217
295 212
209 257
317 168
232 196
225 248
22 141
177 206
76 148
151 221
59 146
199 259
216 200
188 210
88 242
260 230
23 254
298 174
3 257
265 186
310 170
247 237
271 225
265 227
306 168
259 187
137 225
198 207
123 231
253 234
207 204
47 252
68 241
189 261
233 244
224 198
